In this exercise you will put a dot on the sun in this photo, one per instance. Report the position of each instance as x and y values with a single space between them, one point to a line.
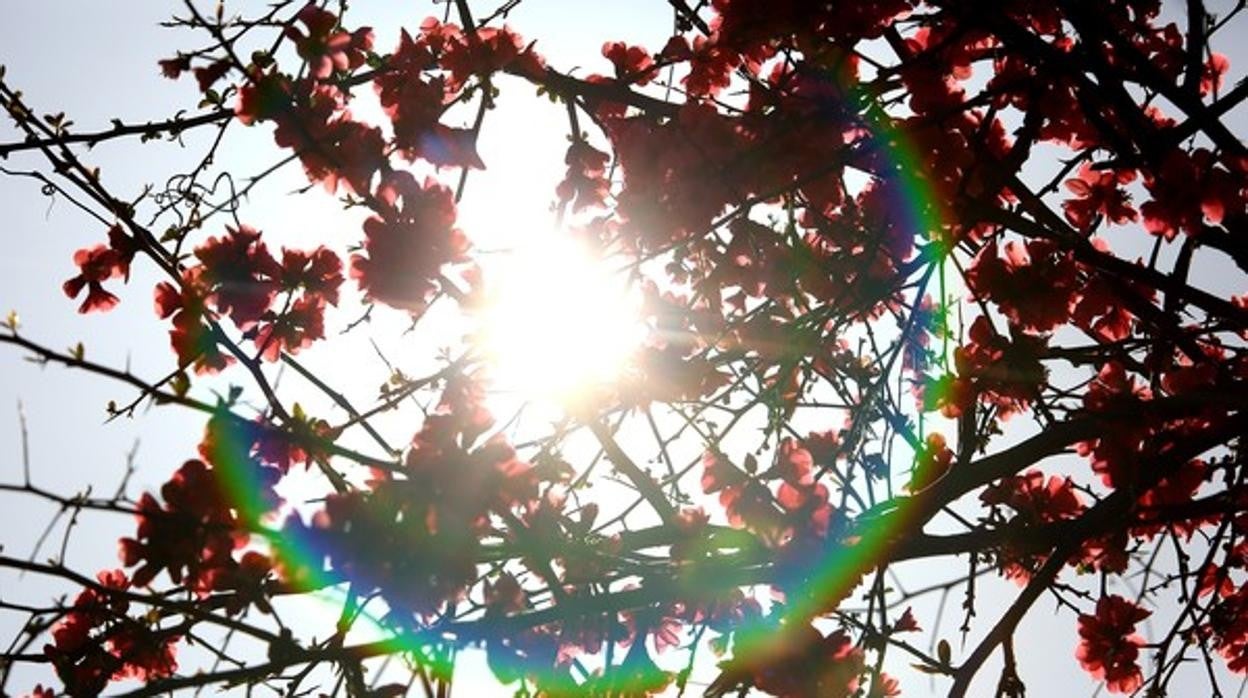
560 322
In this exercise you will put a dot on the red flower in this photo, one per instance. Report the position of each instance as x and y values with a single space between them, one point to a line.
1108 646
349 153
1174 490
264 96
794 464
246 581
823 446
208 75
807 511
632 63
586 184
227 447
1035 500
906 623
1098 192
799 661
884 686
1214 578
71 633
1188 188
445 146
710 68
1003 372
296 328
413 103
1115 455
930 463
1100 310
325 49
952 395
145 654
1034 285
192 338
747 502
240 271
676 49
1228 622
299 442
718 473
312 120
318 273
331 146
408 244
122 648
489 50
189 534
664 197
208 509
173 68
1214 73
99 264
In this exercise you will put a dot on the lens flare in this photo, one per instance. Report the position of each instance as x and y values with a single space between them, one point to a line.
559 320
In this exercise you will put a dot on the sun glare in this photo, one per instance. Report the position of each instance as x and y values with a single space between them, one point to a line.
559 322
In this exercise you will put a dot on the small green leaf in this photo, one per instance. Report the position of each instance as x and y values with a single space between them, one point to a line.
943 652
78 351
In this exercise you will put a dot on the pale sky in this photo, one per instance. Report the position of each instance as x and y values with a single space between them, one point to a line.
97 61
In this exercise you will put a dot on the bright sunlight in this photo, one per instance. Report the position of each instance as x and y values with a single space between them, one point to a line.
560 320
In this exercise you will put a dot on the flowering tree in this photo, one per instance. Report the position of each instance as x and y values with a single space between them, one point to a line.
861 236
